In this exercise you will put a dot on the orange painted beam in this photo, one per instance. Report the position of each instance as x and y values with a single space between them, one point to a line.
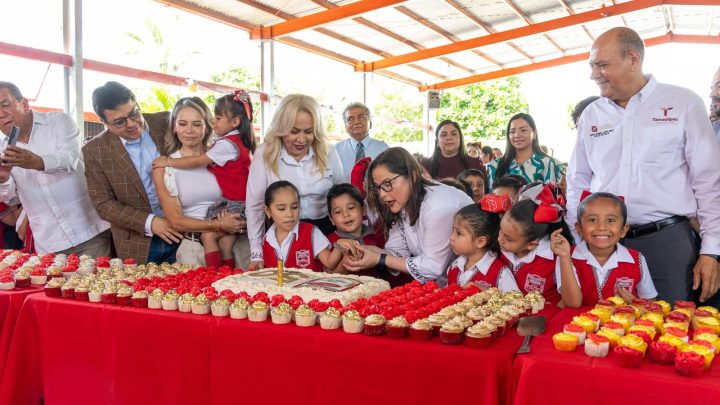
516 33
663 39
41 55
318 19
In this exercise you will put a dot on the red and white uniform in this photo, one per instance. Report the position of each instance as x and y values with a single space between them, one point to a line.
299 249
625 268
535 272
232 165
490 271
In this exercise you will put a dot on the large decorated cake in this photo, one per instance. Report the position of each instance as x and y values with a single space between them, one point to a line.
307 284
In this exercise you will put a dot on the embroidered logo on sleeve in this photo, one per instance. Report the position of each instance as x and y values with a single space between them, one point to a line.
602 130
667 117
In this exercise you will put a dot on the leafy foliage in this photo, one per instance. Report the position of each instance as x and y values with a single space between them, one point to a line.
483 109
394 116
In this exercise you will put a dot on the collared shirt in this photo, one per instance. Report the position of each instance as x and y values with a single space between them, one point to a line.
347 148
658 152
142 151
537 168
364 230
55 199
426 245
506 281
645 288
542 250
223 150
312 185
319 241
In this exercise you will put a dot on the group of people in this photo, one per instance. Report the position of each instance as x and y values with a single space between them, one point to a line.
192 185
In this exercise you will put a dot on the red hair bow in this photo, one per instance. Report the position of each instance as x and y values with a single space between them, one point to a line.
497 204
242 97
357 175
550 201
586 193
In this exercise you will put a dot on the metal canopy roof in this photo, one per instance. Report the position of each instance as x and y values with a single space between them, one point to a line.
436 44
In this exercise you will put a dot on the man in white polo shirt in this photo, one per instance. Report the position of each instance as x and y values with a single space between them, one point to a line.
356 117
715 104
652 144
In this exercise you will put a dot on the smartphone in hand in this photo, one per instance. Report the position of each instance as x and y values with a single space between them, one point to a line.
13 138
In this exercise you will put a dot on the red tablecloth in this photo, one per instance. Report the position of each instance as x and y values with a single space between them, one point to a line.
73 352
10 304
546 376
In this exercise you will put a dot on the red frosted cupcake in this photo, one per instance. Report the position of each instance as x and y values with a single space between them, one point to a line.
662 353
644 335
421 330
7 281
139 299
689 364
374 325
398 327
628 357
676 316
684 304
451 333
576 330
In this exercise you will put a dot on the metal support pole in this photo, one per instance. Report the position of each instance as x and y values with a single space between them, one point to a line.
73 76
267 82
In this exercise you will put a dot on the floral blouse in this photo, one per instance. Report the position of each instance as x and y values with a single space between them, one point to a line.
537 168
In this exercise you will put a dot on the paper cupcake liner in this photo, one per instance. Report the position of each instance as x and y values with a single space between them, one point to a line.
689 369
52 291
38 280
82 295
478 342
397 333
169 305
154 303
257 316
580 335
352 326
67 293
661 356
595 350
22 282
305 321
184 307
200 309
374 330
420 334
237 313
329 322
280 319
451 338
139 302
95 297
108 298
220 310
120 300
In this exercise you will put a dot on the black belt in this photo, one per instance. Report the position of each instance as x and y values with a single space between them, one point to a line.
193 236
646 229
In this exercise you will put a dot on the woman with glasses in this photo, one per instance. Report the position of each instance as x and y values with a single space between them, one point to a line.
450 157
295 149
523 155
186 194
416 212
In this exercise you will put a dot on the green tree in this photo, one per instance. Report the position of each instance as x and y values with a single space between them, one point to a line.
394 116
241 78
483 109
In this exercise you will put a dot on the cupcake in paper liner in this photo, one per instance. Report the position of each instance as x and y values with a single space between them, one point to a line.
352 322
330 319
139 299
565 342
201 305
478 336
305 316
220 307
155 299
239 309
398 327
597 345
281 314
170 301
689 364
185 303
258 311
124 294
451 332
374 325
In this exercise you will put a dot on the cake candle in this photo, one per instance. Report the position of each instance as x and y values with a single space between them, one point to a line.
280 273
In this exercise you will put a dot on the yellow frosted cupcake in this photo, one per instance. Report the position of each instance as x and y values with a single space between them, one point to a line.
603 314
679 325
707 322
585 322
633 342
701 350
624 321
710 309
666 307
672 340
565 342
613 337
709 337
655 318
647 329
617 300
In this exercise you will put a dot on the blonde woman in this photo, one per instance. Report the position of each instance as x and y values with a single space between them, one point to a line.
295 149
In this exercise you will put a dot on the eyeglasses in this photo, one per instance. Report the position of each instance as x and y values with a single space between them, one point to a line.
134 115
386 185
360 117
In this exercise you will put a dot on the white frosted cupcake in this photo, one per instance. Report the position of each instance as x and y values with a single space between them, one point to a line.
330 319
95 294
201 305
305 316
220 307
185 303
155 299
258 311
170 301
352 322
281 314
239 309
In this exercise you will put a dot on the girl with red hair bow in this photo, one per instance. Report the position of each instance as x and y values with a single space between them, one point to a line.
524 238
474 240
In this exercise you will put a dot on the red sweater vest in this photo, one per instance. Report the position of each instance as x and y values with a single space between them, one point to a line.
232 178
486 280
624 275
369 239
301 254
538 275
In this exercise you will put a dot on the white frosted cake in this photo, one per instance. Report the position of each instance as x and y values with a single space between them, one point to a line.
305 283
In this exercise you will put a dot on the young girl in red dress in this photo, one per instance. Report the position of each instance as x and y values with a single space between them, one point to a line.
229 160
474 240
298 244
600 266
525 239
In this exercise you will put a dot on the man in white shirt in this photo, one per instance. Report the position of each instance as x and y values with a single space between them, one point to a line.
715 104
46 171
358 122
652 144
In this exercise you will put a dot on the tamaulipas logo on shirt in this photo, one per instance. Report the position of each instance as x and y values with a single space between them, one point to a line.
666 118
602 130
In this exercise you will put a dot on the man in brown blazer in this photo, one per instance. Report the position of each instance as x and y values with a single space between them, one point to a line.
118 165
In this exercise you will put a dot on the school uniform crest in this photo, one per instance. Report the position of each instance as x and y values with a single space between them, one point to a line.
302 258
624 282
534 282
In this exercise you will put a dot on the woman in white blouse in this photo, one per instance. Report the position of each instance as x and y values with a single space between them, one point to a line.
295 149
186 194
418 214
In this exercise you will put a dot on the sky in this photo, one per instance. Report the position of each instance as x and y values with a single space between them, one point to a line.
203 47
